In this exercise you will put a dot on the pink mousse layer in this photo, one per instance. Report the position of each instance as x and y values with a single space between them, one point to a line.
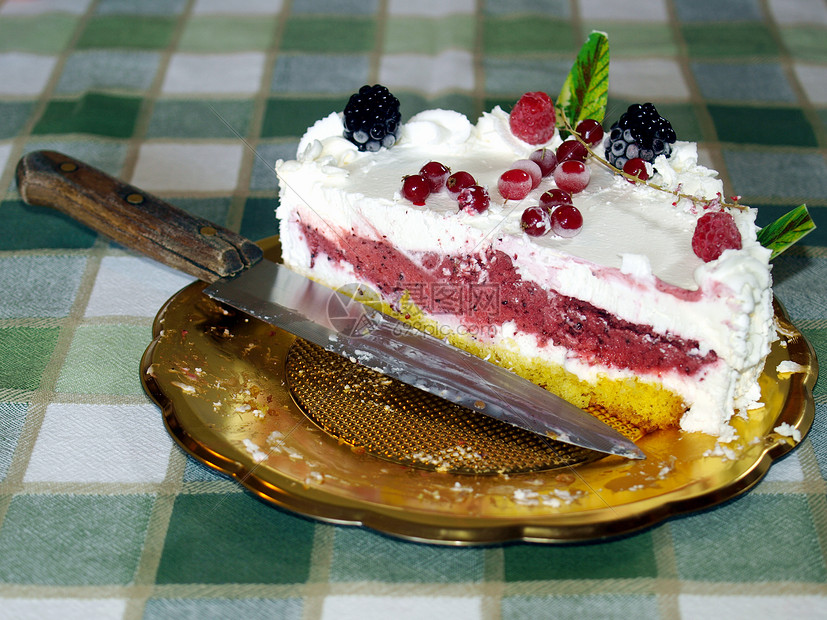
484 290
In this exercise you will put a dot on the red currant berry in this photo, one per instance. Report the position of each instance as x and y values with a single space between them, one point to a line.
514 184
535 221
532 119
436 173
554 198
533 169
590 131
459 181
637 168
566 221
473 199
546 159
571 150
415 188
572 176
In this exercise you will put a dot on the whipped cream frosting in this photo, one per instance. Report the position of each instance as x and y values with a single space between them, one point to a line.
632 258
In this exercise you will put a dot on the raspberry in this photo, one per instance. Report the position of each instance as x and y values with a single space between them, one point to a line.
532 119
372 118
715 232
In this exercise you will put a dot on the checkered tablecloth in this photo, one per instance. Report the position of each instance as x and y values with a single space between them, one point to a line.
103 516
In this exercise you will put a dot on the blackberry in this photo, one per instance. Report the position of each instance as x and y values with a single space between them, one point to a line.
372 118
640 132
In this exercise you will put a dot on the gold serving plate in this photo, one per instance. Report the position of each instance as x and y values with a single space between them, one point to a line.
252 402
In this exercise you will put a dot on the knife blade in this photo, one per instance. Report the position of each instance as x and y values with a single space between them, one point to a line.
238 276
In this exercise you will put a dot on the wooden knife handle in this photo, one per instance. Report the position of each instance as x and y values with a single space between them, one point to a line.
134 218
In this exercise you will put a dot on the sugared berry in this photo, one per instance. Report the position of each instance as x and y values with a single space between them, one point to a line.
566 221
535 221
571 149
590 131
514 184
459 181
533 169
532 119
572 176
415 188
637 168
473 199
639 132
436 173
715 232
546 159
371 118
554 198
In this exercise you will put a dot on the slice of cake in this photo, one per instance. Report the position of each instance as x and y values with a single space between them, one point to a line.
643 293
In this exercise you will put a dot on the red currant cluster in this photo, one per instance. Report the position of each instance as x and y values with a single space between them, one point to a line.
434 176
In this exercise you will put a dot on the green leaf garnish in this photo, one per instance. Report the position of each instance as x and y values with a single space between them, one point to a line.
586 88
786 230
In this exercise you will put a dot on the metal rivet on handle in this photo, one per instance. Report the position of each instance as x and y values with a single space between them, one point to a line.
134 199
68 166
208 231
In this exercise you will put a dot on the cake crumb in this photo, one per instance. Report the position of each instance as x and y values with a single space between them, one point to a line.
257 453
788 430
789 367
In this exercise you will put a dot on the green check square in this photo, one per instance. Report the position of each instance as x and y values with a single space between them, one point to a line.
234 538
73 540
527 35
729 39
26 352
362 555
12 418
13 115
419 35
322 34
748 125
44 34
573 606
637 39
94 113
626 558
227 33
259 218
749 539
292 117
132 31
806 42
102 359
28 228
200 119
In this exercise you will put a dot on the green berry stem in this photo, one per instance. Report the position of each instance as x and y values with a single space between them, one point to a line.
634 179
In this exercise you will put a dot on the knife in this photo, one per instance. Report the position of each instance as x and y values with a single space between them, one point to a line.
240 277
